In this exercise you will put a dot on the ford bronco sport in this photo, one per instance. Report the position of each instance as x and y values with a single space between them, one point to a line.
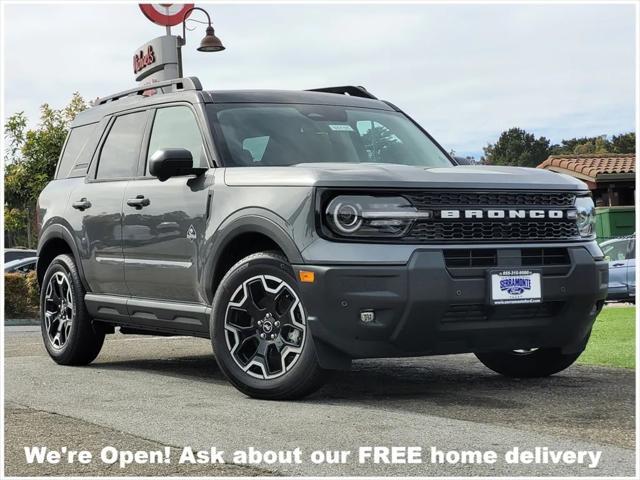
299 230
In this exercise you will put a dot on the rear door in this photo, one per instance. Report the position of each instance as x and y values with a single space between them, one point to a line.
162 237
98 203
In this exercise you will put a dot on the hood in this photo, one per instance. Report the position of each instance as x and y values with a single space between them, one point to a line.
402 176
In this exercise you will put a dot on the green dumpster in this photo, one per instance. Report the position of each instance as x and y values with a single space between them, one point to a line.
615 222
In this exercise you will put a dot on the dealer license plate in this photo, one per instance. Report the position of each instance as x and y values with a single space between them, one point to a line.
515 286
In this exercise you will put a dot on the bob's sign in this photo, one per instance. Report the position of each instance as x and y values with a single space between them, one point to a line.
156 60
142 60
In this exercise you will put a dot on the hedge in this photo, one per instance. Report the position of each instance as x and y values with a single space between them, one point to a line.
21 295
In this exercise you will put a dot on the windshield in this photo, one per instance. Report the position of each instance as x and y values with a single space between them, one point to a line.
280 135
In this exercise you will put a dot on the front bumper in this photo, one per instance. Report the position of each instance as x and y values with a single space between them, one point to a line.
426 308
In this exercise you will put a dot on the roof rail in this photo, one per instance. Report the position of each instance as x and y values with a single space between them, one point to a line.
346 90
178 84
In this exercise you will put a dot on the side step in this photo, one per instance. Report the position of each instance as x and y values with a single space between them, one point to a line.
150 315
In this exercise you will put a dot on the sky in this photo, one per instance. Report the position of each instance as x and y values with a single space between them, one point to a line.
464 72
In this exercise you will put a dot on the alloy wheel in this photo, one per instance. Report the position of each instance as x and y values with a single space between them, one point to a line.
265 327
58 310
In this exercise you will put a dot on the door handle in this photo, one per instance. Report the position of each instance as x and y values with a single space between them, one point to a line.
139 202
81 204
616 265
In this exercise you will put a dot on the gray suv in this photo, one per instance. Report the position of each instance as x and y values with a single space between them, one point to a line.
299 230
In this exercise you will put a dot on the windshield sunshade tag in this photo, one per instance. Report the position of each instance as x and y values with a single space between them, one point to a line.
341 128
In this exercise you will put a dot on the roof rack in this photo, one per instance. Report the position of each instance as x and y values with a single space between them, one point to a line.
178 84
346 90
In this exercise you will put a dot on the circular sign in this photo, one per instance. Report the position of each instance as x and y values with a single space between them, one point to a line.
166 14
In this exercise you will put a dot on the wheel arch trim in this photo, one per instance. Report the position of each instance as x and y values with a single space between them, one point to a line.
232 228
60 232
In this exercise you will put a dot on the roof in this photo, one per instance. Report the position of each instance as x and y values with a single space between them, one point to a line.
190 89
594 167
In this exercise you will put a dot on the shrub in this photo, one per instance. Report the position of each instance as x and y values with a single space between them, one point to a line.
33 289
19 296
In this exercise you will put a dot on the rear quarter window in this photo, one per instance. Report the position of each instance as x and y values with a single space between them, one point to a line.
74 149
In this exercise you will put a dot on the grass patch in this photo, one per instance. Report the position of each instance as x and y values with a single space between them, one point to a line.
613 339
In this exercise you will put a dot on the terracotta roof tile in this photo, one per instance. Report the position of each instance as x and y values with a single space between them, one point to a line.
592 165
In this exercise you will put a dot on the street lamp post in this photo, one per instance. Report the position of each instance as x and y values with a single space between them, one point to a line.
210 42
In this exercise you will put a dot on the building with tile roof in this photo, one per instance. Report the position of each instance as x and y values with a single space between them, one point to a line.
611 177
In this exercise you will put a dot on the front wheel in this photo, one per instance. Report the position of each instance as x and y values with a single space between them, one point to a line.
259 330
528 363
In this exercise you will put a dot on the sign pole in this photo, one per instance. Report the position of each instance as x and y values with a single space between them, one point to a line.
179 48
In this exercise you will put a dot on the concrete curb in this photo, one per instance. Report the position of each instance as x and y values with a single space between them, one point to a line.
13 322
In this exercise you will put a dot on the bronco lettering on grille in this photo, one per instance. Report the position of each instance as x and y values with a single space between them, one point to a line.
505 214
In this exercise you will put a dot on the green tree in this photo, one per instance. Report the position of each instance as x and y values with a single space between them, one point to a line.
517 147
30 160
624 143
575 146
595 145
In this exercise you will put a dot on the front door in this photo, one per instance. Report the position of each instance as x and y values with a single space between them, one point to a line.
631 268
164 222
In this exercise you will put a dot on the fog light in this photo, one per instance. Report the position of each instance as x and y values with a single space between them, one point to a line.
367 316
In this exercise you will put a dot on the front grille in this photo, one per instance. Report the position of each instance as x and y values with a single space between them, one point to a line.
487 313
483 230
439 229
425 200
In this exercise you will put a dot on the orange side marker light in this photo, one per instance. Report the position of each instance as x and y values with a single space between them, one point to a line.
306 276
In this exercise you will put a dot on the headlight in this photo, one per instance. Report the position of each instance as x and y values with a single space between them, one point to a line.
585 214
369 216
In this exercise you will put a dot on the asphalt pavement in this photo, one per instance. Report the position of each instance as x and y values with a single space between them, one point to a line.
145 393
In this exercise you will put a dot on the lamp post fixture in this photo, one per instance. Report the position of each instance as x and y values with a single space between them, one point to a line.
210 42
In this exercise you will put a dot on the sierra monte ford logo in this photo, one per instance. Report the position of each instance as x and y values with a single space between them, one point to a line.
515 285
511 214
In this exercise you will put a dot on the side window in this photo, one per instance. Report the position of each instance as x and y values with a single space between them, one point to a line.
176 127
616 251
121 150
77 141
378 140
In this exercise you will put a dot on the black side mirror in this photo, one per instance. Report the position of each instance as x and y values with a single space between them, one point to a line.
172 162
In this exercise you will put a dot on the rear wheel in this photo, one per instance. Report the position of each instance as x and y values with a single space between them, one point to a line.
259 330
67 330
529 363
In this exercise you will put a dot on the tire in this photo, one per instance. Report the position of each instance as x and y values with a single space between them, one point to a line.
528 364
259 331
69 335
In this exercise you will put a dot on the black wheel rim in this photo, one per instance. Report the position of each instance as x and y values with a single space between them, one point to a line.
265 327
